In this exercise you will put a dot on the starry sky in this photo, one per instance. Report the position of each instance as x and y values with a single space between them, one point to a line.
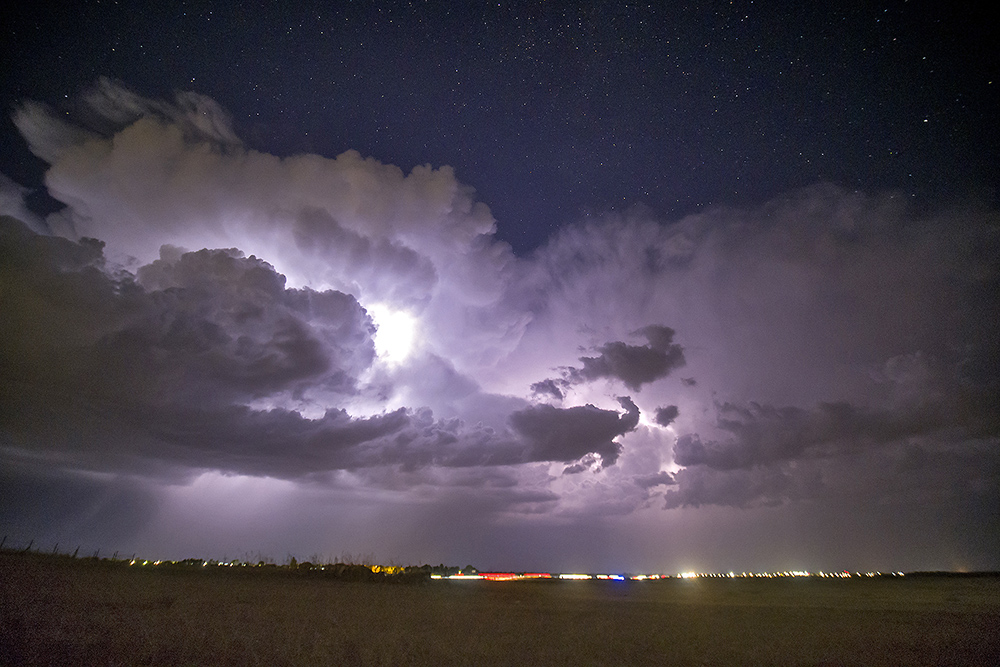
528 285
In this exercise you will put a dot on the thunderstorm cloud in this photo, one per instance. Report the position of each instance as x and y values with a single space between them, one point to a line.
198 318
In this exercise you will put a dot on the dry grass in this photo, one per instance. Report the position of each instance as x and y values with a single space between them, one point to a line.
61 611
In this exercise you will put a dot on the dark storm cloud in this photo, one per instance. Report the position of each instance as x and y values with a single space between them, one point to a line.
774 455
666 415
760 486
553 388
94 360
761 434
284 443
566 434
588 462
634 365
245 328
927 473
662 478
204 328
278 443
131 371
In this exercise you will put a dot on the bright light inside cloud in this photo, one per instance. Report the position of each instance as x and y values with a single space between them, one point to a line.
396 334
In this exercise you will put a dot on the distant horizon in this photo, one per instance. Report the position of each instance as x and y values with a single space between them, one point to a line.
294 561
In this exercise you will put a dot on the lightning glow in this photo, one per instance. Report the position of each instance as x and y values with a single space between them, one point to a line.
396 333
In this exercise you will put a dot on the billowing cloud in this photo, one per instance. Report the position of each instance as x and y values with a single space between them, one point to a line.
666 415
762 433
204 314
566 434
760 459
634 365
95 358
139 173
823 327
173 361
663 478
205 327
551 387
925 400
745 488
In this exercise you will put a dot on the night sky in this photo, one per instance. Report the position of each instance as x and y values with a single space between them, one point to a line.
558 286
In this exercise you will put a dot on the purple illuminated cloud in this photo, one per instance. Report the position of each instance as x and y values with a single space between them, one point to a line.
201 314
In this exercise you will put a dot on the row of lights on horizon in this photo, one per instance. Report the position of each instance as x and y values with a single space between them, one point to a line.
510 576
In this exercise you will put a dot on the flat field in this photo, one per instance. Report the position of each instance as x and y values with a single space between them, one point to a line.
60 611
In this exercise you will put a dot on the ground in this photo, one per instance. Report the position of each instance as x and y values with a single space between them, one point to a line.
58 610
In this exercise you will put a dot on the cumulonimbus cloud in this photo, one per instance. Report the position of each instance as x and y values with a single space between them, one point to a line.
569 433
633 365
165 365
823 327
139 173
665 416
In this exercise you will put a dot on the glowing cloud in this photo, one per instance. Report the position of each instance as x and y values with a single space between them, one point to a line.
395 334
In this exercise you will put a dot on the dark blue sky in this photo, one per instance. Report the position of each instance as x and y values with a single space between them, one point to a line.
555 109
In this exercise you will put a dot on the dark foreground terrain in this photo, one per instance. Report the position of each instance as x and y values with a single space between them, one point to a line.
56 610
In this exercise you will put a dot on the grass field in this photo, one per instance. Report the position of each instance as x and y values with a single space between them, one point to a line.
61 611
